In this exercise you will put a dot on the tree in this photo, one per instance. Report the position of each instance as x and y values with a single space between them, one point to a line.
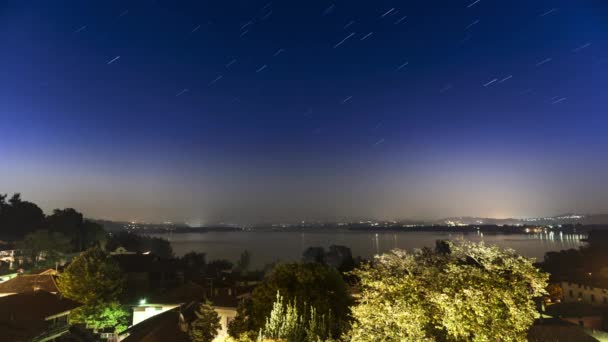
93 235
96 281
18 217
555 292
241 324
44 246
285 323
141 244
464 292
311 284
242 265
92 277
205 326
83 233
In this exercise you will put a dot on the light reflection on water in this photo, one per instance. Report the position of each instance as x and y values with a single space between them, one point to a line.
267 247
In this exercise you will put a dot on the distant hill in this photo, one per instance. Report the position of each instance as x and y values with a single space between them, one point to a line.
111 226
584 219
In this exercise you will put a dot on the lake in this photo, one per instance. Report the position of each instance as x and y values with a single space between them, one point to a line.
270 246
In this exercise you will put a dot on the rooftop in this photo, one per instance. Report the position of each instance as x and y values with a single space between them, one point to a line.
23 315
160 328
28 283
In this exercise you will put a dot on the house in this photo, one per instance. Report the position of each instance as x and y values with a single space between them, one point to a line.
223 300
576 292
172 325
168 326
34 316
29 282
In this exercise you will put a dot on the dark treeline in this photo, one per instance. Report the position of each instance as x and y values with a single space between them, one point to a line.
140 244
18 218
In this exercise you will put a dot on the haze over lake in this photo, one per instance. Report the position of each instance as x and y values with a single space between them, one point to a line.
267 247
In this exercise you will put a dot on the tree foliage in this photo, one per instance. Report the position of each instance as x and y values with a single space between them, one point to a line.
18 217
96 281
315 285
82 233
285 323
205 326
242 265
457 292
241 324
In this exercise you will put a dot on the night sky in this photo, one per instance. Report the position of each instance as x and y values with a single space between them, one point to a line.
256 111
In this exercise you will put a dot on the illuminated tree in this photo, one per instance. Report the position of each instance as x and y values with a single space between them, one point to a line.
103 315
305 285
206 324
96 281
457 292
285 323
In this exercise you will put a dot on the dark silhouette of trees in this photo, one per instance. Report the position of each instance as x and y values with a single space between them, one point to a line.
141 244
82 233
216 267
18 217
307 285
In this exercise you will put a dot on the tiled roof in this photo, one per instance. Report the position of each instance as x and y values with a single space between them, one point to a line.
33 305
160 328
22 315
29 282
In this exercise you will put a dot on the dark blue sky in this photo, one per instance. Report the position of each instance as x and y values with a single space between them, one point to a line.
262 111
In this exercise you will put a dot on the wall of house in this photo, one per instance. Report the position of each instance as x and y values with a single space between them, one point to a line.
574 293
226 315
143 312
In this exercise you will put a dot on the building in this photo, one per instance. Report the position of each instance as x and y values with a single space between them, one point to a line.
185 299
34 316
580 293
29 282
172 325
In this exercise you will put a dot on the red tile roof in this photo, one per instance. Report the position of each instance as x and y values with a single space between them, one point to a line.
28 283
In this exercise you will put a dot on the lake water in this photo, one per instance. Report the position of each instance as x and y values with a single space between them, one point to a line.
267 247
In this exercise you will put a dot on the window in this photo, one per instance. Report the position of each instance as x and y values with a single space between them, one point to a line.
571 293
593 298
605 300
